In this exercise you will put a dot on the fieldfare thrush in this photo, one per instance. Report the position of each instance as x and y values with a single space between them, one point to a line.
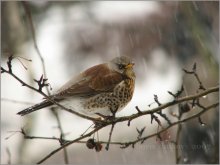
102 89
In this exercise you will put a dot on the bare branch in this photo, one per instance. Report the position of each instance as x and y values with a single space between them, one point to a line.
42 82
173 124
156 100
9 155
28 13
123 144
153 117
200 121
182 109
69 143
62 141
110 136
193 72
140 132
178 93
165 117
137 108
16 101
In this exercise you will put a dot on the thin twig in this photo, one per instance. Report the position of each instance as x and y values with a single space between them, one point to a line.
69 143
28 13
140 132
165 117
110 136
138 109
173 124
180 100
17 101
9 155
179 129
156 100
61 135
193 72
178 93
177 155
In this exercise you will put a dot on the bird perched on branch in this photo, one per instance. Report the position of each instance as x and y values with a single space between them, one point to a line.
102 89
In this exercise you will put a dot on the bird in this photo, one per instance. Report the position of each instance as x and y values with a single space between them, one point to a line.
103 89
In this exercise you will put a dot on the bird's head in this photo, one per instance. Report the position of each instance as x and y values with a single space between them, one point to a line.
123 65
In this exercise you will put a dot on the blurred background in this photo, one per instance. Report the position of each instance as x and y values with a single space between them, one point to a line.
160 37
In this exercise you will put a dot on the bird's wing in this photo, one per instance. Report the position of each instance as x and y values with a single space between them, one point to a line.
94 80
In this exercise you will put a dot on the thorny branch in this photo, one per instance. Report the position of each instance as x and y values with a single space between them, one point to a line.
122 144
140 132
178 93
182 101
69 143
193 72
173 124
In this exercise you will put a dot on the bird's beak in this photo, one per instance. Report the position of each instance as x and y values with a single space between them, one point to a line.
129 66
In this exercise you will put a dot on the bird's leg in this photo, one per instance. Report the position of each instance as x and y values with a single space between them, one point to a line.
113 111
106 118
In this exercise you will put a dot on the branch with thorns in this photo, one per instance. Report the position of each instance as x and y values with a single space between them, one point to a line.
193 72
140 132
181 101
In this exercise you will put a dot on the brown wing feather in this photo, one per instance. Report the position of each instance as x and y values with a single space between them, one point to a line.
107 82
94 80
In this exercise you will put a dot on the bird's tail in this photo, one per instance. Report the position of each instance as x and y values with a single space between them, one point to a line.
35 107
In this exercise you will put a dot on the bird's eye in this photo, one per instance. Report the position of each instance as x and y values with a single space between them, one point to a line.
120 66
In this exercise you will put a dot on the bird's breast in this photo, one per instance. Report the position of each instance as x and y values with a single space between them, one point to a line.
114 100
124 91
